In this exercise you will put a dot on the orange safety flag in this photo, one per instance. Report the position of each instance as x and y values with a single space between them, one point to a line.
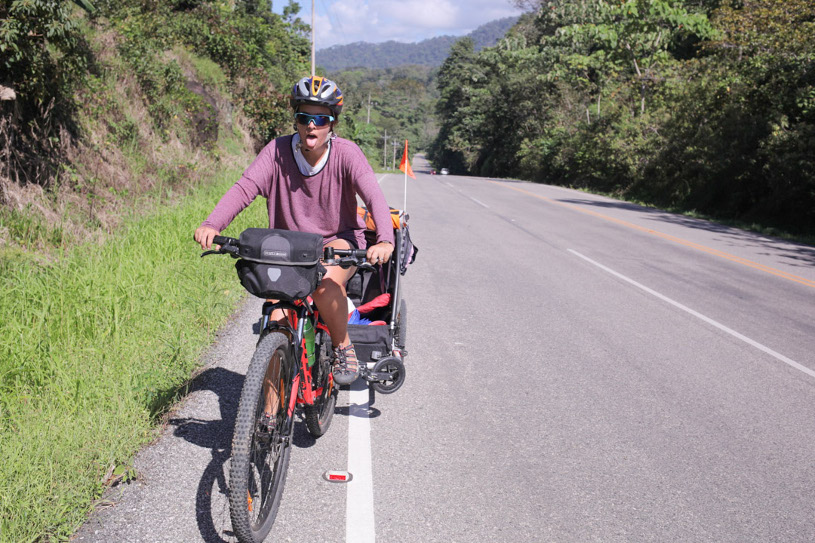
405 164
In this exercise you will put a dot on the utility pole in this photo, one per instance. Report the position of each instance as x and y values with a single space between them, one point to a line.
395 145
312 38
369 109
385 151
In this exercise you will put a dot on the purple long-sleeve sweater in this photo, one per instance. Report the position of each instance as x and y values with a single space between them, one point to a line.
324 203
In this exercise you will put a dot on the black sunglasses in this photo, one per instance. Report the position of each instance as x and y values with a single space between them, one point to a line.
318 120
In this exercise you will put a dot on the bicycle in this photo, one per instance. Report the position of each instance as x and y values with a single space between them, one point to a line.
294 356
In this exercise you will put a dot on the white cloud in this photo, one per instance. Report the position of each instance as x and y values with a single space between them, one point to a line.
420 13
348 21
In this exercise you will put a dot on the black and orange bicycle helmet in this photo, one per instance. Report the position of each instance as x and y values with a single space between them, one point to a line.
317 91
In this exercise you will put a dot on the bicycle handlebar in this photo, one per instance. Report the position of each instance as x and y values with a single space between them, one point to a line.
223 240
330 252
227 246
343 258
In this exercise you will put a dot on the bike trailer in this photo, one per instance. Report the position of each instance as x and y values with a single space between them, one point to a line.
378 293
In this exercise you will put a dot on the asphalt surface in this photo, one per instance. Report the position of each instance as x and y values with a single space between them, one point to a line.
579 369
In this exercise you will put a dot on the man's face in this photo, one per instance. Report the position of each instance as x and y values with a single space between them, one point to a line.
314 138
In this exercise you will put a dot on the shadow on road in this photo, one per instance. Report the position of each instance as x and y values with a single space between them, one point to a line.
215 435
795 254
212 511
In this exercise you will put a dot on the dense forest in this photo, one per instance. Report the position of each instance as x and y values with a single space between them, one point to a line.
390 54
698 105
394 102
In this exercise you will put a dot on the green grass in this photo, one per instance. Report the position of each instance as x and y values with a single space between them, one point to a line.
94 344
231 141
208 71
28 229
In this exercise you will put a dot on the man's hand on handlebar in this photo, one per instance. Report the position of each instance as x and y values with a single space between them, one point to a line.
204 236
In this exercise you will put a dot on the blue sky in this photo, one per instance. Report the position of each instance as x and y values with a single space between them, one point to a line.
348 21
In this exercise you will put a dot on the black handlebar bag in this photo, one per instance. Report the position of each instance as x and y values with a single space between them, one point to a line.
279 264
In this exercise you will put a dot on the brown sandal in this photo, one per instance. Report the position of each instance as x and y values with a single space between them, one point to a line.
346 365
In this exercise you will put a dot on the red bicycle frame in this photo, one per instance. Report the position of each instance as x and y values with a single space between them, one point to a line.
302 389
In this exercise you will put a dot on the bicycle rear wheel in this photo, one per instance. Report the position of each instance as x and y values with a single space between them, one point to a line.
261 445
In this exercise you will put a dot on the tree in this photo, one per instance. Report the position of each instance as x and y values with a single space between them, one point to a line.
43 56
631 37
696 104
455 146
28 28
396 100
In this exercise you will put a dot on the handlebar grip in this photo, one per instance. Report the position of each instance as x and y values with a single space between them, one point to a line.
353 253
331 252
224 240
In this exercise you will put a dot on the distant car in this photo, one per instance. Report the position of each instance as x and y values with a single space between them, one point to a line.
444 171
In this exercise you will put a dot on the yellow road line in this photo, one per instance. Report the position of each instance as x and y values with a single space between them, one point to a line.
686 243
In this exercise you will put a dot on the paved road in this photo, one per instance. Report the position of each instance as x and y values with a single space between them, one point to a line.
579 369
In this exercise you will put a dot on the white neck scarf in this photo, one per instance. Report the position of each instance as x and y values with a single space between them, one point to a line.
302 164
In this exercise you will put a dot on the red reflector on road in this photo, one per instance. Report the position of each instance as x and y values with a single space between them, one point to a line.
337 476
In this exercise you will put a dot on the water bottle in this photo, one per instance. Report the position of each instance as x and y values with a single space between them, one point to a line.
309 333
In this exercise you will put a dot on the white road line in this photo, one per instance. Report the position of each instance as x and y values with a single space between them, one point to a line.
482 204
479 203
723 328
359 504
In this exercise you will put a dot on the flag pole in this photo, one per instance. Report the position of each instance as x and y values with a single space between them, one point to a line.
405 167
312 40
404 204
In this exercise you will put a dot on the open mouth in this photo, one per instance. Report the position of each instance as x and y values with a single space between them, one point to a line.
311 140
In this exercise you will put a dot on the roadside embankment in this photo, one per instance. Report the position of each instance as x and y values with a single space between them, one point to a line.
96 344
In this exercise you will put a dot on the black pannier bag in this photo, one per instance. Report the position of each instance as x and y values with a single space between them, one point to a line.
371 342
279 264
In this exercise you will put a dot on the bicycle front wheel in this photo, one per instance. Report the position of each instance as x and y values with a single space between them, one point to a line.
261 443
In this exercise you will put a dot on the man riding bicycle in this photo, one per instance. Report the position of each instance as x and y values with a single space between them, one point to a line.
311 180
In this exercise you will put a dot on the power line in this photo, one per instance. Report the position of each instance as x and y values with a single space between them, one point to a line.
335 21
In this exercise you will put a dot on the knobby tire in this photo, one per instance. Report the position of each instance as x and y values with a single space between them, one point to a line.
260 458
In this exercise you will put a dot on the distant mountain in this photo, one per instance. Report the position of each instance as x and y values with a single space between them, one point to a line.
389 54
